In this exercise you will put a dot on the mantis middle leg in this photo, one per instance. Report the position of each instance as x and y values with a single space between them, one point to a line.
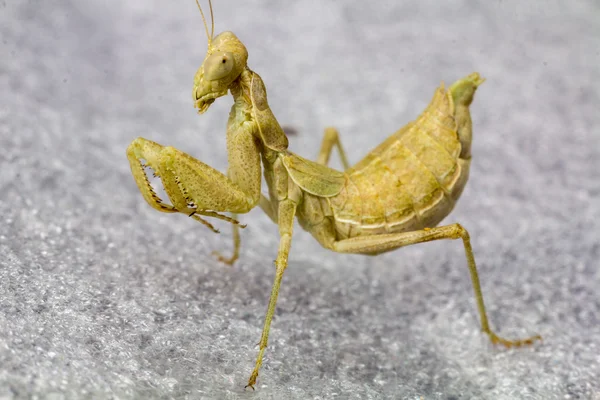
331 138
390 241
286 213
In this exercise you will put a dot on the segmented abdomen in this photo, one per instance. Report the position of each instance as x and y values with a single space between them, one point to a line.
411 181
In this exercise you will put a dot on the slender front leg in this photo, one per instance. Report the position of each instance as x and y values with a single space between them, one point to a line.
331 138
268 208
236 246
390 241
287 210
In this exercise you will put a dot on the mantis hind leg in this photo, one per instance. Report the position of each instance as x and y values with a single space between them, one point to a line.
390 241
331 138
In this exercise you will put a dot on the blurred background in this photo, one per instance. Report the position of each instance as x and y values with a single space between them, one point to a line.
102 297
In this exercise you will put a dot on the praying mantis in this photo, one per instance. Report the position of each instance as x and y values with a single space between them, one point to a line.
394 197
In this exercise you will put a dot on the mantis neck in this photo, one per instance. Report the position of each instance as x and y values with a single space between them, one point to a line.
250 96
251 111
241 112
240 89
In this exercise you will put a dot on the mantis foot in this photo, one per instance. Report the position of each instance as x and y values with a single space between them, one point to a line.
252 380
225 260
513 343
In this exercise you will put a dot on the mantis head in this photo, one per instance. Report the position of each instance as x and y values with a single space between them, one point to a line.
225 60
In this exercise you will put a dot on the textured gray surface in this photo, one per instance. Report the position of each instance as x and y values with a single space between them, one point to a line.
102 297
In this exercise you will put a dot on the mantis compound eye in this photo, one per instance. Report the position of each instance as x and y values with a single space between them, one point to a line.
218 66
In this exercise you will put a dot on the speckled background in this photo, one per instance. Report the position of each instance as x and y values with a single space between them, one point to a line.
102 297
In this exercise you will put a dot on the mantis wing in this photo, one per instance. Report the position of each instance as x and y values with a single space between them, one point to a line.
312 177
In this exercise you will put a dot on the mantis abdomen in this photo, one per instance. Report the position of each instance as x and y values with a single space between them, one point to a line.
413 179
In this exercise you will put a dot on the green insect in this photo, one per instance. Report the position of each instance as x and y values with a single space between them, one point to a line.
394 197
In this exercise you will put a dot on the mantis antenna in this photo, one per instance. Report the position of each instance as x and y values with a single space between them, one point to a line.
212 21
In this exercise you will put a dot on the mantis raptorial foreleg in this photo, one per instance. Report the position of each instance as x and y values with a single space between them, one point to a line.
390 241
192 186
332 138
203 185
143 149
155 156
287 211
195 188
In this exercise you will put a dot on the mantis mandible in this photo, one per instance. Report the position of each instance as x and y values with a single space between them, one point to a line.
394 197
